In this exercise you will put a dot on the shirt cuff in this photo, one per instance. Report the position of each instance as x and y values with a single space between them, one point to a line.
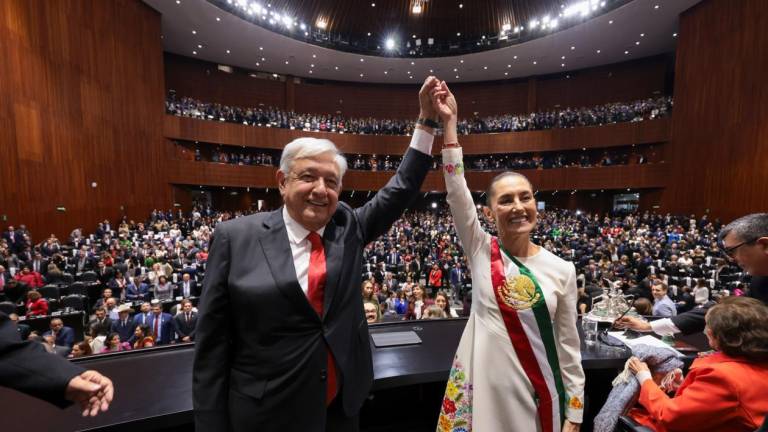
642 376
422 141
664 327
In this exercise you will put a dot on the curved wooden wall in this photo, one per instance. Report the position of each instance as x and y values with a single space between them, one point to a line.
616 135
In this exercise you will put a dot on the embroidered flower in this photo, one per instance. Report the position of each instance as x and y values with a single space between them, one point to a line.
444 424
575 403
449 168
449 406
459 168
451 391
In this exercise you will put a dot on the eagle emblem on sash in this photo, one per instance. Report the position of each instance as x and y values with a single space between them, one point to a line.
519 292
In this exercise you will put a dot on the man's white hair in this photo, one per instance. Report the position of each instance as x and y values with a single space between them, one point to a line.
302 148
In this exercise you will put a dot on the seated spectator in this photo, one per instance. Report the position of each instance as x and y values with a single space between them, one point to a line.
723 391
185 322
643 306
441 301
400 302
369 292
371 312
142 337
29 277
584 302
80 349
114 344
662 305
36 305
62 335
701 292
418 303
433 312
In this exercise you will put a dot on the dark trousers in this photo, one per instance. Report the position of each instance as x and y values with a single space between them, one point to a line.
337 421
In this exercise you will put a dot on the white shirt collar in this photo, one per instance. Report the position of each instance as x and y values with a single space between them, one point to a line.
296 232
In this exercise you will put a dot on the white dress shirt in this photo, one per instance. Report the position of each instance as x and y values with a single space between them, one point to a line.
301 247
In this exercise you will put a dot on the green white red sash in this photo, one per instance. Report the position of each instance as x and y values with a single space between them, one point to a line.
526 317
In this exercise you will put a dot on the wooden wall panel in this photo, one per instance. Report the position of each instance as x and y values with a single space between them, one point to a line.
617 82
617 135
82 103
565 179
203 81
719 145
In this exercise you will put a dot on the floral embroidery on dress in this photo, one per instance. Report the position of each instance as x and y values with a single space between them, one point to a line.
456 411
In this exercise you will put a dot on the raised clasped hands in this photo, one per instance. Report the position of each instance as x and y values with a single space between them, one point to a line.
426 108
444 102
92 390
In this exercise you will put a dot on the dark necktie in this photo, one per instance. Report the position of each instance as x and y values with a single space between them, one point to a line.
315 293
157 328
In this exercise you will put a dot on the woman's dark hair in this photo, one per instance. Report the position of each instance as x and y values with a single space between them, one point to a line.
643 306
110 337
447 308
85 348
740 327
145 331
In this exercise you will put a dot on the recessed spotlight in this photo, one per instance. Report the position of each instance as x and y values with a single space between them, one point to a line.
562 58
408 72
562 64
410 76
194 52
674 34
431 71
461 5
506 73
258 64
199 46
458 34
514 57
642 34
314 55
337 68
361 75
312 65
178 1
261 48
637 43
218 19
386 72
362 60
373 4
626 52
655 6
274 75
263 59
412 63
610 22
509 66
457 77
534 62
598 51
286 62
310 71
573 48
485 67
455 70
227 51
461 61
194 31
369 33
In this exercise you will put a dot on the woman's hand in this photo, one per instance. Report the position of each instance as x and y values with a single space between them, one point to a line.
635 365
444 103
571 427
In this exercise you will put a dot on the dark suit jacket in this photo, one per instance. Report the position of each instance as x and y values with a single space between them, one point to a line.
194 291
183 328
26 366
260 349
65 337
165 328
125 331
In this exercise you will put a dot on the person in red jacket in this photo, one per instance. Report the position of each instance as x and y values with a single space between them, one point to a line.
26 275
436 277
723 391
36 305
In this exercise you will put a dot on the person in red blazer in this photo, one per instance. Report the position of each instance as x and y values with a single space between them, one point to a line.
36 305
26 275
723 391
436 277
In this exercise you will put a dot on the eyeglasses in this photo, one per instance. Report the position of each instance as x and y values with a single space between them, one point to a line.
729 252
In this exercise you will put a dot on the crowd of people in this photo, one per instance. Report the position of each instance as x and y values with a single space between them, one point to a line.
639 110
416 270
238 158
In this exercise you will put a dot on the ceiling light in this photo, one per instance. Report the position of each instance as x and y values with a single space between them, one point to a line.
373 4
416 8
656 6
303 26
626 52
461 5
431 71
263 59
637 43
178 1
514 57
199 46
642 34
389 44
610 22
573 48
274 75
598 51
455 70
534 62
562 58
674 34
562 64
461 61
227 51
218 19
337 68
554 23
369 33
509 66
458 34
312 65
412 63
194 52
286 62
533 24
321 23
457 77
485 67
361 75
362 60
506 73
194 31
385 72
258 64
261 48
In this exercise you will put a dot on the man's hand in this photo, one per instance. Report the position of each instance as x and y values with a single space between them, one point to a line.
571 427
633 323
426 109
92 390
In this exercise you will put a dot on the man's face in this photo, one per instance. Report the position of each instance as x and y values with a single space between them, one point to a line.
370 312
187 307
311 190
107 293
56 325
100 313
658 292
145 307
185 278
752 257
111 303
157 309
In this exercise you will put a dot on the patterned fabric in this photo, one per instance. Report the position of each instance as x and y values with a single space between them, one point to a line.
456 411
626 389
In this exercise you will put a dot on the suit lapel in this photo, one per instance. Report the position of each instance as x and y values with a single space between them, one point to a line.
277 252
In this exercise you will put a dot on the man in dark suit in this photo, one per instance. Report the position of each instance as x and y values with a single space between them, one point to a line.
38 264
187 287
143 317
281 328
82 262
63 335
161 325
185 322
744 241
15 239
124 324
25 366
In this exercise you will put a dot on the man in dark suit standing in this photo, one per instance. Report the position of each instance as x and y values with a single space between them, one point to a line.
281 328
63 335
161 324
124 324
185 322
187 287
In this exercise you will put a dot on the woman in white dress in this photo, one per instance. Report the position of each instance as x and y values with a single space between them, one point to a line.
518 365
